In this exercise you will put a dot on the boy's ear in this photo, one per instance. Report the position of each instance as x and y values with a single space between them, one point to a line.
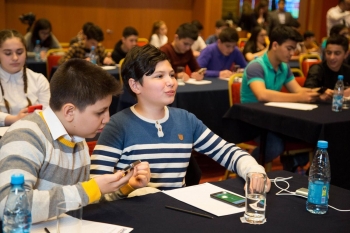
68 111
135 86
274 45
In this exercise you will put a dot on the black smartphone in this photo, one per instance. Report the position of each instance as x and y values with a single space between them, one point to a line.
131 166
322 90
229 198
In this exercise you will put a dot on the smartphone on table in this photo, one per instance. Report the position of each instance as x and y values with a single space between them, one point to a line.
229 198
32 108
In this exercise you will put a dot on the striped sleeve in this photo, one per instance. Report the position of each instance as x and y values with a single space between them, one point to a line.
25 149
226 154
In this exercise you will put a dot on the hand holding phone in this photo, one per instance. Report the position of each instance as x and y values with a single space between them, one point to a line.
322 90
131 166
229 198
202 70
32 108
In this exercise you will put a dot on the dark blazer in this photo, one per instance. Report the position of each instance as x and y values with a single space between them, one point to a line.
274 20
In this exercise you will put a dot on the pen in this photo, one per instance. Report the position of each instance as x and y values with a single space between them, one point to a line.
188 211
46 230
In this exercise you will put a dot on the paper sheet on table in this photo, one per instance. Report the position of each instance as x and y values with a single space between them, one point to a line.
295 106
195 82
109 67
87 226
199 196
3 130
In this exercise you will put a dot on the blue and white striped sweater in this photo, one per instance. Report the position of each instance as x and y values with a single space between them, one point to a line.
129 137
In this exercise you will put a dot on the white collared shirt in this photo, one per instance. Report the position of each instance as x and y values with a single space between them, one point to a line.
336 16
38 92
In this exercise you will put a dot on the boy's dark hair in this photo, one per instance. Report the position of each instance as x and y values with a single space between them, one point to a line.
228 35
86 27
140 61
308 34
221 23
198 25
339 40
281 1
94 32
130 31
336 29
81 83
187 30
282 33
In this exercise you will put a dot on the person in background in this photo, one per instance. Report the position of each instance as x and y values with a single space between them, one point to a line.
133 133
199 44
309 44
325 74
245 22
281 17
92 37
20 87
179 51
338 29
80 36
263 79
41 31
219 26
49 149
221 57
260 15
158 36
339 14
125 44
256 45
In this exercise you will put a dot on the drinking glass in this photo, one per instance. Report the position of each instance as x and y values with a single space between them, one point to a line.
255 204
346 100
69 215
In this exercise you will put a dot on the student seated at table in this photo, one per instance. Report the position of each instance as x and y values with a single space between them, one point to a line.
220 57
158 36
92 37
338 29
125 44
41 31
164 136
256 45
20 87
264 77
199 44
179 51
219 26
49 148
80 36
325 74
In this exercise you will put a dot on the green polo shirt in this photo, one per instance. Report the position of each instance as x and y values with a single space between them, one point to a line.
261 70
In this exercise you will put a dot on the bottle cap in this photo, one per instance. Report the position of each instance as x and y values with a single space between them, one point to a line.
340 77
37 41
92 47
322 144
17 179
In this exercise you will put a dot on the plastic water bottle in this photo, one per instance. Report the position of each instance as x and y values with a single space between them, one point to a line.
93 55
319 179
17 215
37 51
337 104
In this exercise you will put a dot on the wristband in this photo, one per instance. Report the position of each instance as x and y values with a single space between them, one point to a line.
126 189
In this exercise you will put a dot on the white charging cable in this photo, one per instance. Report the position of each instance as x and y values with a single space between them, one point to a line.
283 179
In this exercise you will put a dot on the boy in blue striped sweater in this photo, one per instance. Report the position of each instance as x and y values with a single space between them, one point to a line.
163 136
49 148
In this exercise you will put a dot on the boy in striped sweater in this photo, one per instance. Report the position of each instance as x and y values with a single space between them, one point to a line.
49 148
164 136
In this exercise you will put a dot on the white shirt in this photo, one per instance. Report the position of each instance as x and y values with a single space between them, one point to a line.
336 16
158 41
199 44
38 92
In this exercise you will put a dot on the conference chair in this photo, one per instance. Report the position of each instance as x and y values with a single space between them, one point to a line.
52 58
241 43
307 60
120 71
65 45
142 41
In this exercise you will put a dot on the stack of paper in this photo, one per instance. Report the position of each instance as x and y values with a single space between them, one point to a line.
296 106
195 82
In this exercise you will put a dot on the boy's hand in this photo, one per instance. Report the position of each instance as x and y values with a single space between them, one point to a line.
108 61
109 183
257 186
308 96
185 76
197 76
141 175
327 95
225 74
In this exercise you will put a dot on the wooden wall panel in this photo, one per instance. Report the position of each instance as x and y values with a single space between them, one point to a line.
2 14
